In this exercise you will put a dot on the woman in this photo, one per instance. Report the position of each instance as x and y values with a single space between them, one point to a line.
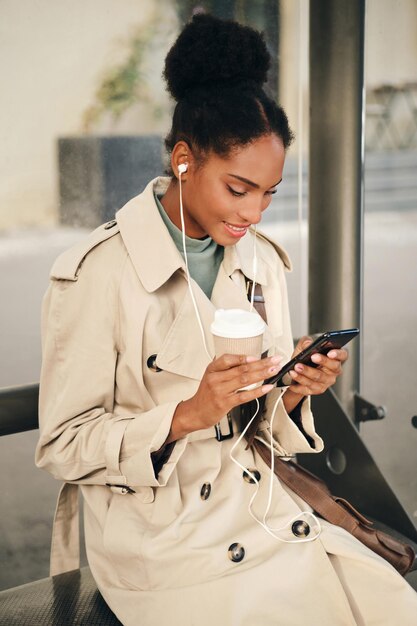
130 392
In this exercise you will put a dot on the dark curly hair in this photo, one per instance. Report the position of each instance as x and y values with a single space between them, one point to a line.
215 71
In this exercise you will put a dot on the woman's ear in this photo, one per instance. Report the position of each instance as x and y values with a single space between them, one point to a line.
181 159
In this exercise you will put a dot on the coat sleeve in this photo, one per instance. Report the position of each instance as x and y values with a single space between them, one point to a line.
81 438
292 433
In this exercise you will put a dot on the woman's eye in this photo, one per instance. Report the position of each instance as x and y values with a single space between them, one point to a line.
238 194
271 193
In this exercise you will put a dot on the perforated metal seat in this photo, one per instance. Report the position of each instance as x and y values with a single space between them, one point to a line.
71 598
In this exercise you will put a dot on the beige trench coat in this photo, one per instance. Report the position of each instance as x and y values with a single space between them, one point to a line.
161 550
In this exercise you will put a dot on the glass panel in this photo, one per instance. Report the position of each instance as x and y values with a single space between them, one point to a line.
88 107
89 113
390 294
83 107
287 218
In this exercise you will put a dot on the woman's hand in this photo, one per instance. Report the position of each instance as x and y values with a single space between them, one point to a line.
308 381
218 391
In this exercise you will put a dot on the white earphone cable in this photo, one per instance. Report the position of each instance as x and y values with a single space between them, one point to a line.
271 530
188 272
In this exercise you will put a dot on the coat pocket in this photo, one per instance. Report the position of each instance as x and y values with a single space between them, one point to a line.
124 531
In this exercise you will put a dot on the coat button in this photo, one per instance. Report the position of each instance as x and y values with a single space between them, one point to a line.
110 224
151 363
205 491
236 552
248 478
300 528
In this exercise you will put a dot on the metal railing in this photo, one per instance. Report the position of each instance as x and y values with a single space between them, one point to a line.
18 409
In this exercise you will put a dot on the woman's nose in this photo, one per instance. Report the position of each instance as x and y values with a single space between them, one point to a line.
252 213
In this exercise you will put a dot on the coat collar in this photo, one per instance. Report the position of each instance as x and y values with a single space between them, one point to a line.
141 226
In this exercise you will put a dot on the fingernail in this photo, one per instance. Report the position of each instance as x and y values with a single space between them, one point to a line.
267 388
276 359
273 370
332 354
316 358
251 359
299 367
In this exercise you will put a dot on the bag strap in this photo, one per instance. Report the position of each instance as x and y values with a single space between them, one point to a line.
248 409
313 492
258 299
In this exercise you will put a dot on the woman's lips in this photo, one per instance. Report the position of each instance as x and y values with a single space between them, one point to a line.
235 231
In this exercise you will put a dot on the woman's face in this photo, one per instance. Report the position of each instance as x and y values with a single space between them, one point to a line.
224 196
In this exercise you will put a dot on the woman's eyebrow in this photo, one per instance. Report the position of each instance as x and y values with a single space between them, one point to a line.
250 182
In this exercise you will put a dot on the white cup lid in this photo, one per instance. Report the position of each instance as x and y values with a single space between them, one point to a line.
237 323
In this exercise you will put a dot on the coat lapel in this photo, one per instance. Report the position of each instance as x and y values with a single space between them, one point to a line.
183 351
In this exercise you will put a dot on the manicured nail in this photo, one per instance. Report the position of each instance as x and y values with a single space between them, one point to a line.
332 354
299 367
316 358
267 388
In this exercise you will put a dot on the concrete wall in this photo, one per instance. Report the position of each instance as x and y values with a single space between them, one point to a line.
391 38
52 57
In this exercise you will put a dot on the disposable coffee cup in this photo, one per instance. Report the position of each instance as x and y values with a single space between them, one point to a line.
236 331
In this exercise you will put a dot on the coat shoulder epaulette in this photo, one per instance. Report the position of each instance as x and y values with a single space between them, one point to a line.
279 249
67 266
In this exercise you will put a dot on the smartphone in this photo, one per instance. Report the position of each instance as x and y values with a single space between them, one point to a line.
333 339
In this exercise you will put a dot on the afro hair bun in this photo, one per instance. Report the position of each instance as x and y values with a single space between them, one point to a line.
212 51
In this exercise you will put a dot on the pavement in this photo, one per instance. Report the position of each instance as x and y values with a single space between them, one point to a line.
27 495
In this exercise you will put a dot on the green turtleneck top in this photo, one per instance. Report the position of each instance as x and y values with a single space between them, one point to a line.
204 255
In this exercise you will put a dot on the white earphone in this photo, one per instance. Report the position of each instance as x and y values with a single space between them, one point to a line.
182 168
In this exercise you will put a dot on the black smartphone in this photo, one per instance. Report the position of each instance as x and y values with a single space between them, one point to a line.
331 340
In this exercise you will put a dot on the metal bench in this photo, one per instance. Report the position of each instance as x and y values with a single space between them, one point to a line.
71 598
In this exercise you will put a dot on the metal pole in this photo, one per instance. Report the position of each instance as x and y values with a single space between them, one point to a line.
336 176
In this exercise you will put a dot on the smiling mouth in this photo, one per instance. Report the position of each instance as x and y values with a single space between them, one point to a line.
237 229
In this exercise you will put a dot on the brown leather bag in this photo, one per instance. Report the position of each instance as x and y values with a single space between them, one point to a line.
339 511
315 493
